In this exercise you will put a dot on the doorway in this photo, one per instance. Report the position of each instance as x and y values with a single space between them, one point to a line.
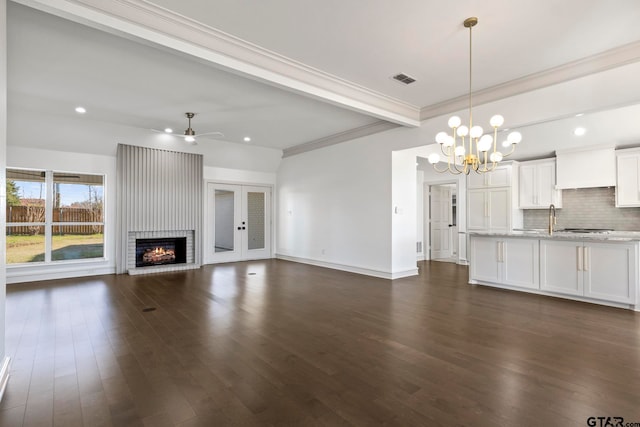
238 223
443 222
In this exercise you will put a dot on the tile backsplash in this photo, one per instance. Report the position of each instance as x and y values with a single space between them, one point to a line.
587 208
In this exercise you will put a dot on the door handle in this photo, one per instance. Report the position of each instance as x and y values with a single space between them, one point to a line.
239 228
244 228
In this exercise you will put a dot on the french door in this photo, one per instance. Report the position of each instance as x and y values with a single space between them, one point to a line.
238 223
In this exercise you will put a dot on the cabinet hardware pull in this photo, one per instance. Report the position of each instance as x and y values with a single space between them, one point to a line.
587 255
579 256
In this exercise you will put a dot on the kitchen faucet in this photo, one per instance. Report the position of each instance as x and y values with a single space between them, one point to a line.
552 218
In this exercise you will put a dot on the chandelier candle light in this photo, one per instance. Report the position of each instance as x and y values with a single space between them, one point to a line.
463 157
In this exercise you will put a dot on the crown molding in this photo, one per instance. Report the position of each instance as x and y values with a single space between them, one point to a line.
366 130
140 19
603 61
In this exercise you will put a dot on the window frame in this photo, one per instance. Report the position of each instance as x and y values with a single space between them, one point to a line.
49 224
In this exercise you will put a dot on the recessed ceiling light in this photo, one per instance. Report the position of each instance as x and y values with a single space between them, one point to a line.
579 131
247 139
168 130
81 110
579 114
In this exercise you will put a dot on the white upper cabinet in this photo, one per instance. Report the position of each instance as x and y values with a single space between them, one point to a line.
628 178
501 177
537 185
492 199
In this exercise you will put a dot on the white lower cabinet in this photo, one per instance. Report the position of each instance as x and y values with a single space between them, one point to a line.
604 271
505 261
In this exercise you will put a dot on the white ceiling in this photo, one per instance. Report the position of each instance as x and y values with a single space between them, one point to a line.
368 42
56 64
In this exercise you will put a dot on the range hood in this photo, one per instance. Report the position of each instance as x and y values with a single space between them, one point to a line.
586 167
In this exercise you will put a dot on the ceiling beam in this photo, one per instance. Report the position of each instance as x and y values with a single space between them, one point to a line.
143 21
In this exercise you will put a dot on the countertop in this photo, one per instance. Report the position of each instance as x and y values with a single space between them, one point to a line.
614 236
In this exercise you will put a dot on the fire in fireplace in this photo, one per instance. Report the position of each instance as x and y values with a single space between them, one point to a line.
161 251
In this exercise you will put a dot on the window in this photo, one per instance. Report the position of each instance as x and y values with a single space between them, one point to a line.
54 216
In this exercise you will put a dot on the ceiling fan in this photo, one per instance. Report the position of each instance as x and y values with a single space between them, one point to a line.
189 134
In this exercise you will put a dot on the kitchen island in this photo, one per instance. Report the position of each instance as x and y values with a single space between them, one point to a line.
600 268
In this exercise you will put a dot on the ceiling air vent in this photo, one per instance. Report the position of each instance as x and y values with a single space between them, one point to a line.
403 78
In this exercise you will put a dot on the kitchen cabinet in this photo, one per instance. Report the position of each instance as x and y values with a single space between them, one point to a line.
537 185
500 177
491 202
505 261
489 209
628 178
600 270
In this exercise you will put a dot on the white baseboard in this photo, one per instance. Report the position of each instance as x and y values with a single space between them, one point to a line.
4 375
350 268
39 273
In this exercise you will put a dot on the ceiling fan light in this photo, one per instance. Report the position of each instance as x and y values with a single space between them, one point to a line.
189 138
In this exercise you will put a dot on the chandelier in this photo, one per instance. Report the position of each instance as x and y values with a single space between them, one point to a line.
468 148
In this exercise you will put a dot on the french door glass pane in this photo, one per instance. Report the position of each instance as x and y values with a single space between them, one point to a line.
77 242
25 244
224 212
255 219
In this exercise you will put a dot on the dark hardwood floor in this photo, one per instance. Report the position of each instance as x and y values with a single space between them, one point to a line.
279 343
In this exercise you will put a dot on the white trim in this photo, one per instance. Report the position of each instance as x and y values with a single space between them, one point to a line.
16 276
603 61
140 19
4 375
370 129
350 268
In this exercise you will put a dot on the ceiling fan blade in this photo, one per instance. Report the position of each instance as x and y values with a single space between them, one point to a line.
210 134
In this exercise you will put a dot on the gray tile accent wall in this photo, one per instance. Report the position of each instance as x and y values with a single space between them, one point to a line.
587 208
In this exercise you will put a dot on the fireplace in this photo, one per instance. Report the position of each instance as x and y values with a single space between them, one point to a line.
161 251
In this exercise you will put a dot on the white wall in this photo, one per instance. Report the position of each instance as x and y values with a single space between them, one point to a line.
239 176
420 214
67 162
334 206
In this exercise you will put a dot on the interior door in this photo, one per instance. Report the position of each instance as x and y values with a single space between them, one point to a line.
238 223
440 208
